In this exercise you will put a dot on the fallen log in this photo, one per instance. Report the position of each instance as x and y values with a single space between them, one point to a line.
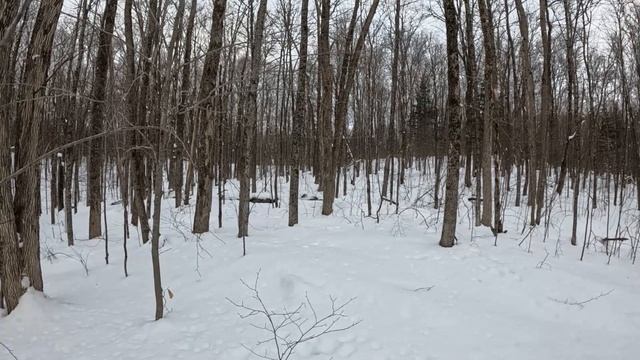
259 200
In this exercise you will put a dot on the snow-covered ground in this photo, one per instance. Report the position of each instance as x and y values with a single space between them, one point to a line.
406 297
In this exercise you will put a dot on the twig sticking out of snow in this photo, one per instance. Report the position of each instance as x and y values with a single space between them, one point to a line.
581 304
544 261
425 288
289 328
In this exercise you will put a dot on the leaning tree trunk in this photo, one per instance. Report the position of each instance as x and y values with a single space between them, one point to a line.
344 86
447 238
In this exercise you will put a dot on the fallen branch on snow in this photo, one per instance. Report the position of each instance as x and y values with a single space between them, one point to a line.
581 304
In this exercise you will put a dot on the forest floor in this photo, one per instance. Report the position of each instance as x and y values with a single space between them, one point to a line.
406 298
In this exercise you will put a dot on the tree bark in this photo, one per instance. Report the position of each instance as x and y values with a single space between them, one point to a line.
96 160
529 108
447 238
325 74
31 110
486 20
299 115
183 107
208 120
250 119
546 93
344 86
471 105
9 253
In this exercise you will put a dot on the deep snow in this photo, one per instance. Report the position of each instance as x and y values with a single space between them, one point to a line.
413 299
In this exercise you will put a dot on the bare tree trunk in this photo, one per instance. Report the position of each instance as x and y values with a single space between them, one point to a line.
343 91
471 103
31 110
208 120
183 105
391 135
68 211
447 239
250 119
103 60
160 154
325 73
53 183
137 116
571 88
9 259
545 107
576 194
529 107
486 20
299 115
71 121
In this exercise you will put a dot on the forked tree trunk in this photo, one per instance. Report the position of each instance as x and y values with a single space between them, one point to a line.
344 86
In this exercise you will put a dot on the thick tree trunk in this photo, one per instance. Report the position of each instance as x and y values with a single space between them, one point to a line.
325 107
31 110
9 257
299 115
96 160
447 238
207 120
486 20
